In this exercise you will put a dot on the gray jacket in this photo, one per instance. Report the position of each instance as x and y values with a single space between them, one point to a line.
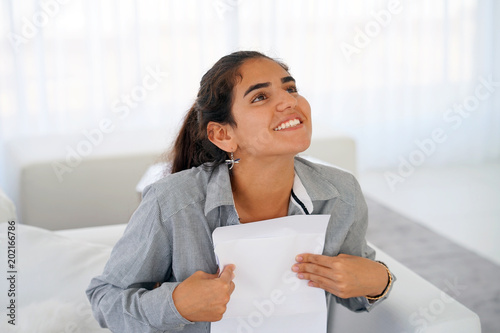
169 238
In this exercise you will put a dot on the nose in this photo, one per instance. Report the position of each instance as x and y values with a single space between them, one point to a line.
286 101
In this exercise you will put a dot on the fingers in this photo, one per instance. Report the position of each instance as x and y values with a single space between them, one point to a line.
309 268
315 259
227 274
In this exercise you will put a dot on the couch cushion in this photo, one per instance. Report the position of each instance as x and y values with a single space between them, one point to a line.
7 208
51 266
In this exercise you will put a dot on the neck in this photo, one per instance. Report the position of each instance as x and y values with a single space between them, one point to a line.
261 188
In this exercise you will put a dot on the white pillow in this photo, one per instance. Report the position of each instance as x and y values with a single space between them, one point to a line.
52 269
7 208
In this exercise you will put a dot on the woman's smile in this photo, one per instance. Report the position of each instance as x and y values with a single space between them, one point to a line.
288 124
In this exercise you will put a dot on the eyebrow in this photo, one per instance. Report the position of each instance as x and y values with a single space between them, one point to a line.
267 84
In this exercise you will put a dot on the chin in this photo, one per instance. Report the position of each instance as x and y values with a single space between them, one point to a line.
300 147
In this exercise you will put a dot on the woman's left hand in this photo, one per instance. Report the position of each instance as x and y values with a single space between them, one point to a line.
344 275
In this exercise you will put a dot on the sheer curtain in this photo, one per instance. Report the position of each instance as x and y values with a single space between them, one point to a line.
392 74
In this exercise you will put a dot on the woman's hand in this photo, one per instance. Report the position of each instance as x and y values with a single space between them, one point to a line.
203 296
344 275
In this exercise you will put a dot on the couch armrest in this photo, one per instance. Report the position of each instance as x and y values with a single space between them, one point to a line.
414 305
103 235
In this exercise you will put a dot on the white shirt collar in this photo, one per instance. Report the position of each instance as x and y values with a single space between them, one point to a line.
300 198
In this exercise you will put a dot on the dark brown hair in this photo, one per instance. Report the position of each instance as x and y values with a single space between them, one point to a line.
213 103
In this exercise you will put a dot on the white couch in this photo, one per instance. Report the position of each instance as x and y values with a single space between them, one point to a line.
56 267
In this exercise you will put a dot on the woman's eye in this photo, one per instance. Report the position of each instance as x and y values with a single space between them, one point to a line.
292 89
258 98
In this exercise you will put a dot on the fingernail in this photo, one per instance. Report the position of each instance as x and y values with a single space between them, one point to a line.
295 268
300 276
298 258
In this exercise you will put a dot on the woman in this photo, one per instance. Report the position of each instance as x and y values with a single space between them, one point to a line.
234 161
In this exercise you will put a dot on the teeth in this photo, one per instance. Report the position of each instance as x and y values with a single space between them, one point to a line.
288 124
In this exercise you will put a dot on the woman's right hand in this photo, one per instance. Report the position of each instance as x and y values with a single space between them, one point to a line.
203 296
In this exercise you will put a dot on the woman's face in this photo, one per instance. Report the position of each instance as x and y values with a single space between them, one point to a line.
272 118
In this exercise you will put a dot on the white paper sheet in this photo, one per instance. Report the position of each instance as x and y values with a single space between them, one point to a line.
268 297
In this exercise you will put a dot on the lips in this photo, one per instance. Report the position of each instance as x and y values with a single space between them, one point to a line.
288 124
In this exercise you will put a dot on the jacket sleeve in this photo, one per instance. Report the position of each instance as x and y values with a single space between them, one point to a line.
122 298
355 244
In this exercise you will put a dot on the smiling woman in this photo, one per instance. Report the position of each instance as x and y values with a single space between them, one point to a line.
162 274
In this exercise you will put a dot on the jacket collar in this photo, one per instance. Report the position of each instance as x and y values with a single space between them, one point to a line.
309 186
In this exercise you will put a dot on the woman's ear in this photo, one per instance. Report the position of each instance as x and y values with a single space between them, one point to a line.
220 135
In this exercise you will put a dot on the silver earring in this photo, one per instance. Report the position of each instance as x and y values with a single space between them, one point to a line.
232 161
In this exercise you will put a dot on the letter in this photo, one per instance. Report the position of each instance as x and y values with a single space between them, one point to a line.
243 326
16 40
12 322
71 328
416 158
291 278
490 85
439 136
84 148
126 99
393 7
157 75
449 117
417 321
427 146
12 305
348 50
60 170
94 136
28 25
139 93
471 107
455 288
40 19
277 296
147 85
106 126
50 7
392 179
72 154
458 109
221 7
405 169
370 32
383 17
424 312
478 93
362 38
255 319
84 311
446 298
266 307
116 109
436 306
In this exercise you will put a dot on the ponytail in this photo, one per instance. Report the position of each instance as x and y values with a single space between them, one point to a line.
185 145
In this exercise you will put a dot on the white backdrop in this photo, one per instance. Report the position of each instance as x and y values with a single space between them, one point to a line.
398 76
